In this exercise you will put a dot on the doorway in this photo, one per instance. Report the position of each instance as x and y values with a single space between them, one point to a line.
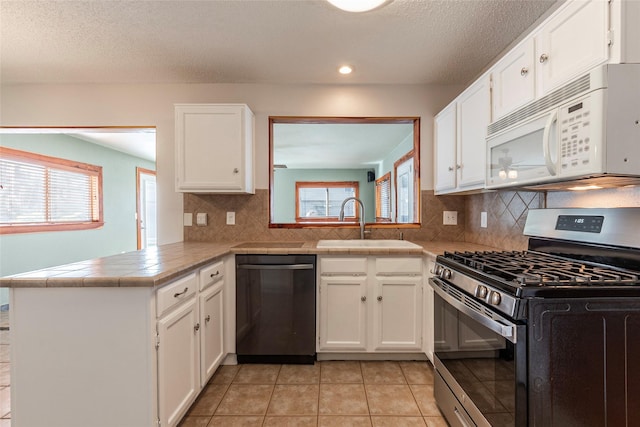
146 218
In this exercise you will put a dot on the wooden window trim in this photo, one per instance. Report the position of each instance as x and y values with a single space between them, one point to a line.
325 184
62 164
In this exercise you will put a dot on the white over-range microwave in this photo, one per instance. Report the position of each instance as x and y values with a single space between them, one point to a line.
584 133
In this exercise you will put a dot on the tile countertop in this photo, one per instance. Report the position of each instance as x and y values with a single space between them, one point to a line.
159 265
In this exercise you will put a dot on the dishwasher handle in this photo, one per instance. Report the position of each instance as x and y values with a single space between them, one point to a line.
276 266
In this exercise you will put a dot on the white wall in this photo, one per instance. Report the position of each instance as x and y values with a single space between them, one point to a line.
152 105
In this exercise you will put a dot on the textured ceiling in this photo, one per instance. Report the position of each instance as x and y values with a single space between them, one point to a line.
255 41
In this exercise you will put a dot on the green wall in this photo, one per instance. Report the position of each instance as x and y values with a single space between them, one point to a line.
31 251
284 208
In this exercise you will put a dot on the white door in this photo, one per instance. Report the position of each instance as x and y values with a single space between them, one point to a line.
398 313
343 310
474 114
147 209
405 191
178 362
571 43
445 149
514 80
212 344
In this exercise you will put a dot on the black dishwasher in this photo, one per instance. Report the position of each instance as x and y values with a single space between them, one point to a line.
275 308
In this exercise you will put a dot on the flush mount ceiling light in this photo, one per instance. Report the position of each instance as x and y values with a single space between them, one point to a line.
358 5
345 69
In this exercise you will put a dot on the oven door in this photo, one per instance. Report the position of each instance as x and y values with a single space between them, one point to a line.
480 361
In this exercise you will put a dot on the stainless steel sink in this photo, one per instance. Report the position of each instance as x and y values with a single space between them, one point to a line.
368 244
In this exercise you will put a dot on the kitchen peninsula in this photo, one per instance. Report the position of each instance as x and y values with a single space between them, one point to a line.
96 342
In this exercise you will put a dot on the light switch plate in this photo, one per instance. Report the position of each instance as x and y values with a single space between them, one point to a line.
231 218
187 219
450 218
201 218
483 219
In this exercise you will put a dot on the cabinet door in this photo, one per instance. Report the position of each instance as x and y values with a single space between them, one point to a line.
571 43
513 80
178 364
398 313
211 344
343 309
427 309
213 148
445 149
474 111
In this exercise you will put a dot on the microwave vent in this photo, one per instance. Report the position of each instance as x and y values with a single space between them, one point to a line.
562 94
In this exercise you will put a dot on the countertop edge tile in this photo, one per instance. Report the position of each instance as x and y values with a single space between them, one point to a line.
178 259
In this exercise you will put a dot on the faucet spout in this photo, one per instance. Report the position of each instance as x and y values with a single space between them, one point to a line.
341 216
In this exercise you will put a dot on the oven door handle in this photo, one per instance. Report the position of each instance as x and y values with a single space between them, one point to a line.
503 327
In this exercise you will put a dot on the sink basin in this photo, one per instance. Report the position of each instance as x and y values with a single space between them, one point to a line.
369 244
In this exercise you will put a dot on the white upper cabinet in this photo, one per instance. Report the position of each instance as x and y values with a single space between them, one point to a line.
445 149
459 131
474 115
572 42
214 148
513 79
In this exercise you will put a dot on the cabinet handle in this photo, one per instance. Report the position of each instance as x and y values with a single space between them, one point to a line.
207 319
217 273
177 294
458 166
235 170
543 58
524 71
380 298
450 168
197 327
363 299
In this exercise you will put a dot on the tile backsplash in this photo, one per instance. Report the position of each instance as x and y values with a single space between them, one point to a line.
506 216
252 221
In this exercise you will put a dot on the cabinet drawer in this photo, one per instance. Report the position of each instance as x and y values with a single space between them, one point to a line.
211 274
173 294
388 266
350 266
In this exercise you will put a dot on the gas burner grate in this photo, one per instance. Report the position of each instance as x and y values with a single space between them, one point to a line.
528 268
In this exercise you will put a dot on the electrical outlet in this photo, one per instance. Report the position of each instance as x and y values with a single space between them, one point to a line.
450 218
201 218
231 218
483 219
187 219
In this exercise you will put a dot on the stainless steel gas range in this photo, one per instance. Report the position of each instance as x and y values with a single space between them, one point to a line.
545 337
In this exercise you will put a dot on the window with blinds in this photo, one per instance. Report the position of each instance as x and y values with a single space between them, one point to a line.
42 193
321 201
383 198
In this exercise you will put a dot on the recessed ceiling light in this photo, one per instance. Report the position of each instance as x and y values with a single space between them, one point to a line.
345 69
358 5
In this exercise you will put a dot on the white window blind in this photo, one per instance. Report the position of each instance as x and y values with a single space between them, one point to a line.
42 190
383 198
323 200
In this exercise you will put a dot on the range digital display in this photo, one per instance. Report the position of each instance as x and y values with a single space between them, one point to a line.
585 223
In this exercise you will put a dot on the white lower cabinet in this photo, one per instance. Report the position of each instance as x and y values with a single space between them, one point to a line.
397 313
370 304
212 329
343 313
178 362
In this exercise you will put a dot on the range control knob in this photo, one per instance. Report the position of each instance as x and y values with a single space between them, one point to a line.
481 291
446 274
438 270
495 298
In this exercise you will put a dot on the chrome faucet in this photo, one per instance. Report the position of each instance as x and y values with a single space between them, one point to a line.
341 217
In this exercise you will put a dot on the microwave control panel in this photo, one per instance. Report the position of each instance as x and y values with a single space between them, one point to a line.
575 135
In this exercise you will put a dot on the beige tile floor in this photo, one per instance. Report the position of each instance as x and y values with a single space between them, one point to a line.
341 393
